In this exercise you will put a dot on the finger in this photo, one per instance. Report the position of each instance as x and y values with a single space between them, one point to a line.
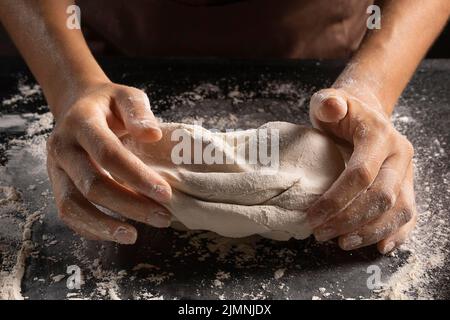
98 188
385 226
378 199
82 216
394 241
327 106
53 171
362 168
106 150
133 106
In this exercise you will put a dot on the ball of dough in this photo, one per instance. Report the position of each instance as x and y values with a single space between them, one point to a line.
239 198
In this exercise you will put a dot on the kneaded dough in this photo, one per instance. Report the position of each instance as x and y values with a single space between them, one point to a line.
239 200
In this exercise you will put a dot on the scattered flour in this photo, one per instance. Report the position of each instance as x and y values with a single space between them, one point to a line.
26 93
10 282
279 273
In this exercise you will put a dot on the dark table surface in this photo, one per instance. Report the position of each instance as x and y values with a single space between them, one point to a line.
173 264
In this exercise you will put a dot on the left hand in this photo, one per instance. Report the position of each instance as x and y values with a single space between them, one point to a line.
373 199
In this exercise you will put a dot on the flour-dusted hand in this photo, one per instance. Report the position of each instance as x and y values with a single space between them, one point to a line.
84 153
373 199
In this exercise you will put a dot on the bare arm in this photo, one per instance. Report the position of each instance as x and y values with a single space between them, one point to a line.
388 57
57 56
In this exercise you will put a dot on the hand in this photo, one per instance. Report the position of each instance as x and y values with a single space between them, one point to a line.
84 152
373 199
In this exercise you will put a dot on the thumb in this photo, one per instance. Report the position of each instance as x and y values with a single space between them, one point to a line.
327 105
139 120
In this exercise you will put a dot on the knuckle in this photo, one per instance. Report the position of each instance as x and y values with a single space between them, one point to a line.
361 131
134 95
375 129
362 176
90 188
64 209
404 144
54 144
404 215
383 128
66 199
138 101
139 94
104 154
132 91
384 200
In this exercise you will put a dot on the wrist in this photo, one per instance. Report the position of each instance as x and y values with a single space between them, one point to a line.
63 96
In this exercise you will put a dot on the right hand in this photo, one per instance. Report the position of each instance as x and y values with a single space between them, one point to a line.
372 202
84 152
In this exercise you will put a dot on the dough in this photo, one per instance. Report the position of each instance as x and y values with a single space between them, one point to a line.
243 198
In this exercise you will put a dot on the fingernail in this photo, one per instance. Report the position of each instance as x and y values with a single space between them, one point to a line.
388 248
351 241
159 219
324 234
161 193
124 236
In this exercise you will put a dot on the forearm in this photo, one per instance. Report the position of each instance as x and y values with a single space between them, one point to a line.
57 56
388 57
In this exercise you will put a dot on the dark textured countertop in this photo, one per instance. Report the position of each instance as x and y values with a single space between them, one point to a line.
172 264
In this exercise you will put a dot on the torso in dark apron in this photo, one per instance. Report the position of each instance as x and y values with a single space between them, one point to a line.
221 28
